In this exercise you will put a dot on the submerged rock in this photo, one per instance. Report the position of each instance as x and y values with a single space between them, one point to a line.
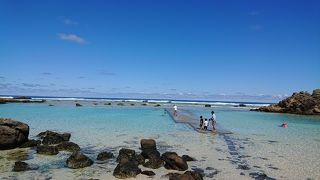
103 156
22 166
31 143
68 146
50 137
298 103
126 170
174 162
47 150
78 160
12 133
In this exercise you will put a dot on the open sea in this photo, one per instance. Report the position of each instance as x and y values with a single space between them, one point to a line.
255 145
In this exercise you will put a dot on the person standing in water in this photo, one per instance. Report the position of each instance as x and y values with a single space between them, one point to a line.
206 123
201 122
175 109
213 119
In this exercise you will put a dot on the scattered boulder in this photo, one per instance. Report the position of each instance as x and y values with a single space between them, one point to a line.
78 105
12 133
174 162
148 173
22 166
126 155
207 105
150 153
103 156
78 160
147 144
68 146
242 105
126 170
188 158
31 143
47 150
50 137
188 175
299 103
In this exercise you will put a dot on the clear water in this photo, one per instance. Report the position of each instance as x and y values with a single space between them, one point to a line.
293 151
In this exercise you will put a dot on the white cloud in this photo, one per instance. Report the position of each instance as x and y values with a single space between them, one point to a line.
70 22
72 37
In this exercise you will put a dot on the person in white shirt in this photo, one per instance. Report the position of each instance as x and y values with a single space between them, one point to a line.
175 108
213 119
206 123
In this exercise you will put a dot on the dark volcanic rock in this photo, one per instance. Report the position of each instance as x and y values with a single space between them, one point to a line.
126 170
126 155
147 144
298 103
50 137
78 105
47 150
188 158
68 146
148 173
188 175
103 156
260 176
31 143
78 160
12 133
174 162
22 166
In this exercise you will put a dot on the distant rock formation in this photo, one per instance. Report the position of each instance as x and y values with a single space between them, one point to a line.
299 103
12 133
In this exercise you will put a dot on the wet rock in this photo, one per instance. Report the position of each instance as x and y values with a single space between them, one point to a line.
174 162
68 146
298 103
243 167
126 155
260 176
126 170
148 144
22 166
78 105
103 156
47 150
50 137
188 175
78 160
148 173
31 143
12 133
188 158
242 174
207 105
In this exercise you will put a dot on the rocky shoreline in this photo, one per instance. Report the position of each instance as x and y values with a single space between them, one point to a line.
302 103
14 134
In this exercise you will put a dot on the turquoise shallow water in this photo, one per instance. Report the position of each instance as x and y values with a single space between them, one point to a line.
293 151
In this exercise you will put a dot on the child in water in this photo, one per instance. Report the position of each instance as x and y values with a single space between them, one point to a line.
201 122
206 122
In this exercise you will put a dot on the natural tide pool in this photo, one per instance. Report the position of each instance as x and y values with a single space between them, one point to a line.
290 153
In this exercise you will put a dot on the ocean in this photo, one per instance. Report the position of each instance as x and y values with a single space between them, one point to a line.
255 145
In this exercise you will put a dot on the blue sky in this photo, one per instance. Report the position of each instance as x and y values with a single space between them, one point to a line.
177 49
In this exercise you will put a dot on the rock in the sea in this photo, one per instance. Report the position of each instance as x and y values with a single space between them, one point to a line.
188 175
12 133
298 103
148 173
188 158
78 160
78 105
174 162
50 137
31 143
68 146
126 155
22 166
126 170
147 144
103 156
150 154
47 150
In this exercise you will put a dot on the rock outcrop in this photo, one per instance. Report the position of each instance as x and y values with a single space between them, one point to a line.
47 150
174 162
299 103
128 164
103 156
68 146
78 160
12 133
152 157
22 166
50 137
